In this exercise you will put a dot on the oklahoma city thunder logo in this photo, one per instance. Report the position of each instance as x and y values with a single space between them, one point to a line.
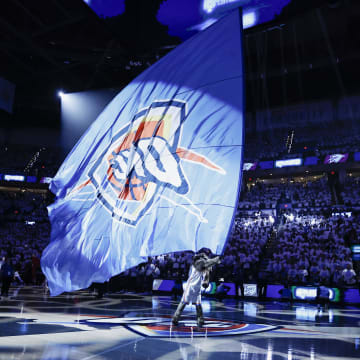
144 325
188 328
143 164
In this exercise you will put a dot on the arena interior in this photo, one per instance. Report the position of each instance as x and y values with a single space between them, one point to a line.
288 286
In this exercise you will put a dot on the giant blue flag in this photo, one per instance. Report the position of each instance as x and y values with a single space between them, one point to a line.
159 170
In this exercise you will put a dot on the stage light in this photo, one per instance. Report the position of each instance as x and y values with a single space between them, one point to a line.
61 93
249 19
210 5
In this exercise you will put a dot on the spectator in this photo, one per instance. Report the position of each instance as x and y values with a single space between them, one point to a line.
349 275
7 274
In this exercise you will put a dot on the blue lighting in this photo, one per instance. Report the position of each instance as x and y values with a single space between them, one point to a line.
210 5
108 8
288 162
185 17
249 19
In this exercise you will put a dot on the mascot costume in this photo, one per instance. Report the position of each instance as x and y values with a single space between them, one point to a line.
198 277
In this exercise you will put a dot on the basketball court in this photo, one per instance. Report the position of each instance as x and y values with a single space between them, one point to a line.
34 325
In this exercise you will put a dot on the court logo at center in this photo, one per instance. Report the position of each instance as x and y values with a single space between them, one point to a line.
188 328
161 326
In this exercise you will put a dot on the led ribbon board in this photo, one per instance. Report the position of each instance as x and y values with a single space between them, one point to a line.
249 166
210 5
14 177
336 158
288 162
310 293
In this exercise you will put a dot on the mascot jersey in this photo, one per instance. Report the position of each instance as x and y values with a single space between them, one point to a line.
192 292
199 272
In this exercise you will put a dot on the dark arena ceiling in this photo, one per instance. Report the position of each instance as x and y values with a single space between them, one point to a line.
310 50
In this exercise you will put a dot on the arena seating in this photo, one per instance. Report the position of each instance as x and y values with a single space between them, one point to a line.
273 145
351 192
260 197
24 231
29 160
312 249
286 229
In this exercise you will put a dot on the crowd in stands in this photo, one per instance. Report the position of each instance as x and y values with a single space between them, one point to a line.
303 195
258 198
312 194
314 249
340 141
240 260
310 245
245 246
303 243
351 192
24 231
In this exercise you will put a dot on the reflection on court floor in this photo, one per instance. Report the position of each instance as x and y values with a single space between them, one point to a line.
131 326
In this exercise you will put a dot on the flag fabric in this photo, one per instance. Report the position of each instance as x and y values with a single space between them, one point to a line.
159 171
